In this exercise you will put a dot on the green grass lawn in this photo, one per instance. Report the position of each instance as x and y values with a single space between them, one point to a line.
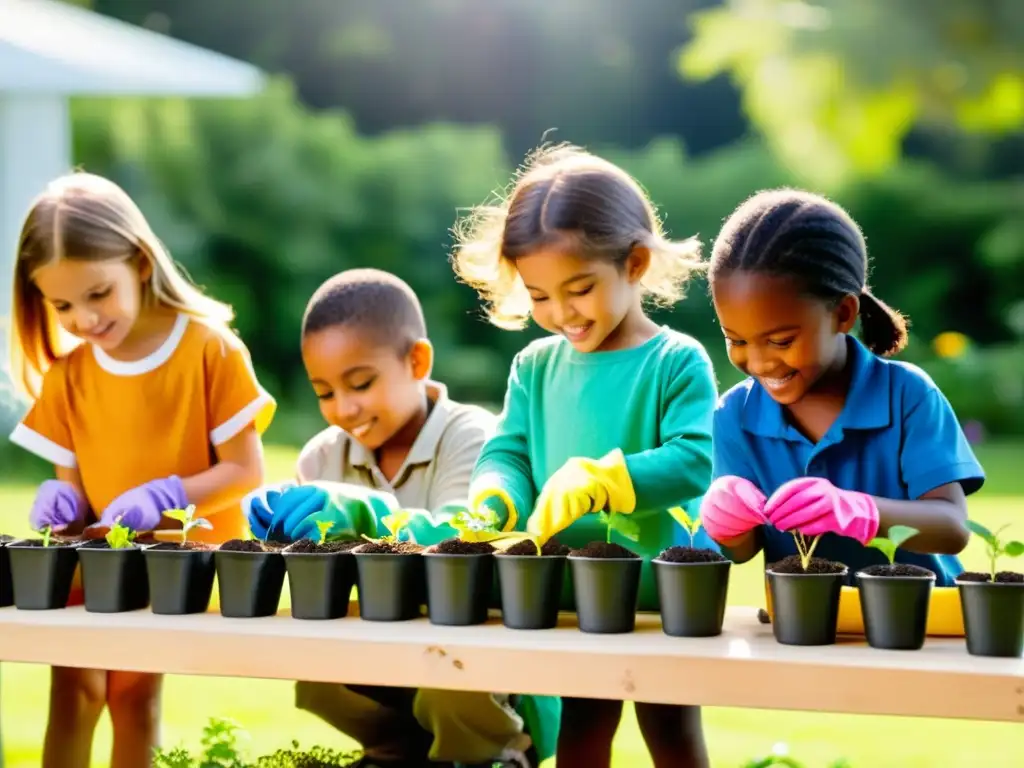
264 708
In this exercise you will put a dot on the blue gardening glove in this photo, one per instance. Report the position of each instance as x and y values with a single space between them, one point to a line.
426 529
352 510
257 506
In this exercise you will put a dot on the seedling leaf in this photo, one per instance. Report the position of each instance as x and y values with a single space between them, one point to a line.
120 536
888 545
980 530
187 518
47 531
324 528
690 525
396 523
626 526
1014 549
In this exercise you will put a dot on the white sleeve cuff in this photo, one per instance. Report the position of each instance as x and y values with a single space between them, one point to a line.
238 422
41 446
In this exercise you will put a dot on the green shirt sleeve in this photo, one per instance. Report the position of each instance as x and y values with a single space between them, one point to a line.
680 468
504 462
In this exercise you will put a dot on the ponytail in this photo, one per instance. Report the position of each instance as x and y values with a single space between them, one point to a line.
883 328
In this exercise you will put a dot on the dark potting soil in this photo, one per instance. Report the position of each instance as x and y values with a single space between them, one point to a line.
1002 577
101 544
388 548
603 549
690 555
242 545
53 543
308 546
188 546
792 564
897 569
460 547
551 548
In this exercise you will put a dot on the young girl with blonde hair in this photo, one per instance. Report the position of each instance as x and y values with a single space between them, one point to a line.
612 411
142 398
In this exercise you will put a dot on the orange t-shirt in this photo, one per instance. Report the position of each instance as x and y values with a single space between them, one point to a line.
126 423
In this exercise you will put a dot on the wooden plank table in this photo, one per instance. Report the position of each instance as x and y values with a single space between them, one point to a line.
744 667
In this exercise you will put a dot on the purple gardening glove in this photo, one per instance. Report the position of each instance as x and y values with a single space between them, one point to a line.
142 508
732 507
812 506
57 505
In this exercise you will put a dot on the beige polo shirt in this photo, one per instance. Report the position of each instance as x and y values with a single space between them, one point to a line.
437 469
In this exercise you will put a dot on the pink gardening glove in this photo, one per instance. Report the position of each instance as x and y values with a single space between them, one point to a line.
812 505
732 507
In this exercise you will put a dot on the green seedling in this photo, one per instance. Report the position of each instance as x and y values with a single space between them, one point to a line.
324 528
481 525
624 524
805 547
187 518
396 522
690 525
120 536
888 545
46 531
996 548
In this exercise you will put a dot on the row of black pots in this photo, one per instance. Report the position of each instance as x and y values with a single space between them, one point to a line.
456 588
894 609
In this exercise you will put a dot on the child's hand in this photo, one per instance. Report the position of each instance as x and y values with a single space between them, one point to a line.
579 487
258 506
142 507
731 507
273 512
57 505
812 506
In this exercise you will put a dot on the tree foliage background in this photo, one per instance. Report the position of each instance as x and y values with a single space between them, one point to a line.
385 118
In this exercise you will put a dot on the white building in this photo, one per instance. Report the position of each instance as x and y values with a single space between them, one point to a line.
51 51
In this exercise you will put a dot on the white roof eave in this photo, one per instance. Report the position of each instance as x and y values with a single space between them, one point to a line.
51 47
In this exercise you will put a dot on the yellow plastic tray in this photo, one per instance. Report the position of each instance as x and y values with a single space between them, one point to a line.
945 618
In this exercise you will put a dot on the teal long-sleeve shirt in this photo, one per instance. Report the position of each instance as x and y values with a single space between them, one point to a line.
655 402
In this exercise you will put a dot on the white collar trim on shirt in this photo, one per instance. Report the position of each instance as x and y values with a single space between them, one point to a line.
151 361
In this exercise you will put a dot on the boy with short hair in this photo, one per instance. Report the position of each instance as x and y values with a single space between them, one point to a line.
393 431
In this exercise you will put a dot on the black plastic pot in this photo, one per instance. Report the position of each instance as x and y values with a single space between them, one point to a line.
458 588
806 606
993 618
320 584
6 580
391 586
113 580
692 597
895 610
531 590
249 584
180 580
41 576
607 589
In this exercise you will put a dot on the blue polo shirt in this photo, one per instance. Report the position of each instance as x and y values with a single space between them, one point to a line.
896 437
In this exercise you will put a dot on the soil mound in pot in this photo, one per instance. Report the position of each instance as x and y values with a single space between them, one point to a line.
5 539
310 547
817 565
388 548
53 543
681 554
897 569
1002 577
189 546
603 549
551 548
242 545
460 547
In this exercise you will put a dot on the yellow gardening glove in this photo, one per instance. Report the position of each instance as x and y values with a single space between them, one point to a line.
579 487
496 500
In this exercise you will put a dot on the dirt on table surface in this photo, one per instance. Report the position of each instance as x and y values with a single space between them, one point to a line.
310 547
897 569
604 550
680 554
460 547
551 548
1002 577
817 565
388 548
